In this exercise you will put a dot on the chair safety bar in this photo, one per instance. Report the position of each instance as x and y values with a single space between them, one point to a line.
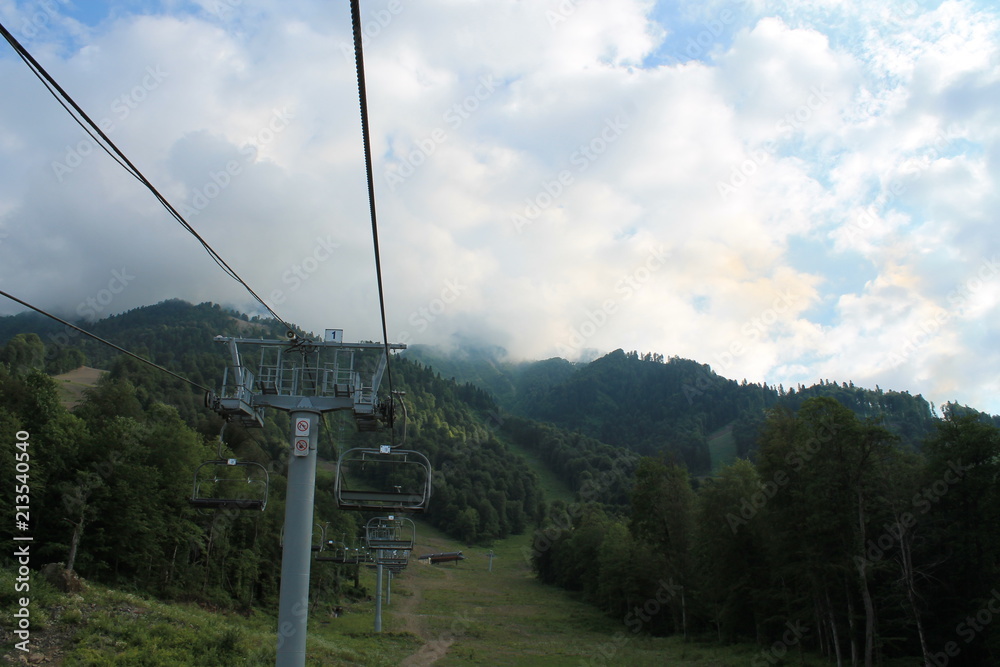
414 498
225 479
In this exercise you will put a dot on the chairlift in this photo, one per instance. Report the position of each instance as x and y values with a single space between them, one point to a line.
389 533
340 553
228 483
394 560
410 468
317 545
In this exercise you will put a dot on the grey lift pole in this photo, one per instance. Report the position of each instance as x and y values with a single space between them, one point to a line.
306 379
378 592
293 601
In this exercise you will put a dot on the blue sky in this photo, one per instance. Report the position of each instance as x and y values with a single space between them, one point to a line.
788 193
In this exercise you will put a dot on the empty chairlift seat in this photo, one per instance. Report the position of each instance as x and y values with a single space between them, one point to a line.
390 534
230 484
340 553
406 473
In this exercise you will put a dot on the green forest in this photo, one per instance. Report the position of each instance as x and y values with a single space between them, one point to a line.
857 524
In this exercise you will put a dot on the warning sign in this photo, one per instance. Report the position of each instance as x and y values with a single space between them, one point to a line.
301 427
301 447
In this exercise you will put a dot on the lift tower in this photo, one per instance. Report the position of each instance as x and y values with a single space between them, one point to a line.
306 378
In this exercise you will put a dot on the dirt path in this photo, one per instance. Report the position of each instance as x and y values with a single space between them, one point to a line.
428 654
414 582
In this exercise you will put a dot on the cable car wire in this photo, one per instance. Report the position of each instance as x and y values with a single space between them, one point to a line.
81 117
106 342
366 138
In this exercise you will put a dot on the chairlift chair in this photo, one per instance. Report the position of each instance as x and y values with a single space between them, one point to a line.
338 552
390 533
316 545
411 497
230 484
394 558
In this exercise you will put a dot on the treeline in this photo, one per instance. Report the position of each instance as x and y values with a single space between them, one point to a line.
836 540
655 405
109 484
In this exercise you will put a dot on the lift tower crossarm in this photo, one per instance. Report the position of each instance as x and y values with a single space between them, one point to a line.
311 343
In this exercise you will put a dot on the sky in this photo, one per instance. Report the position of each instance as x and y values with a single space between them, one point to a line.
787 192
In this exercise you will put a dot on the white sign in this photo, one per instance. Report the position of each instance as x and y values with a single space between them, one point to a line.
302 427
301 447
334 336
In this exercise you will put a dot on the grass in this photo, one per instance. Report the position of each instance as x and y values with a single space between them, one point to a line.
508 618
106 627
452 614
551 486
722 448
72 384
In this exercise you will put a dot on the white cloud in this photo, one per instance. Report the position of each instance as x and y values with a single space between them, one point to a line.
658 203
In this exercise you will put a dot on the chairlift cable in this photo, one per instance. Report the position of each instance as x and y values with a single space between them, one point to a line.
108 343
366 137
108 146
26 57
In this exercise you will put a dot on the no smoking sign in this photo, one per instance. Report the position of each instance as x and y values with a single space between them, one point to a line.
300 439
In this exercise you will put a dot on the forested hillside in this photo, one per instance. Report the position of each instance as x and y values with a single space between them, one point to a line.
854 523
858 524
656 406
836 539
110 480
